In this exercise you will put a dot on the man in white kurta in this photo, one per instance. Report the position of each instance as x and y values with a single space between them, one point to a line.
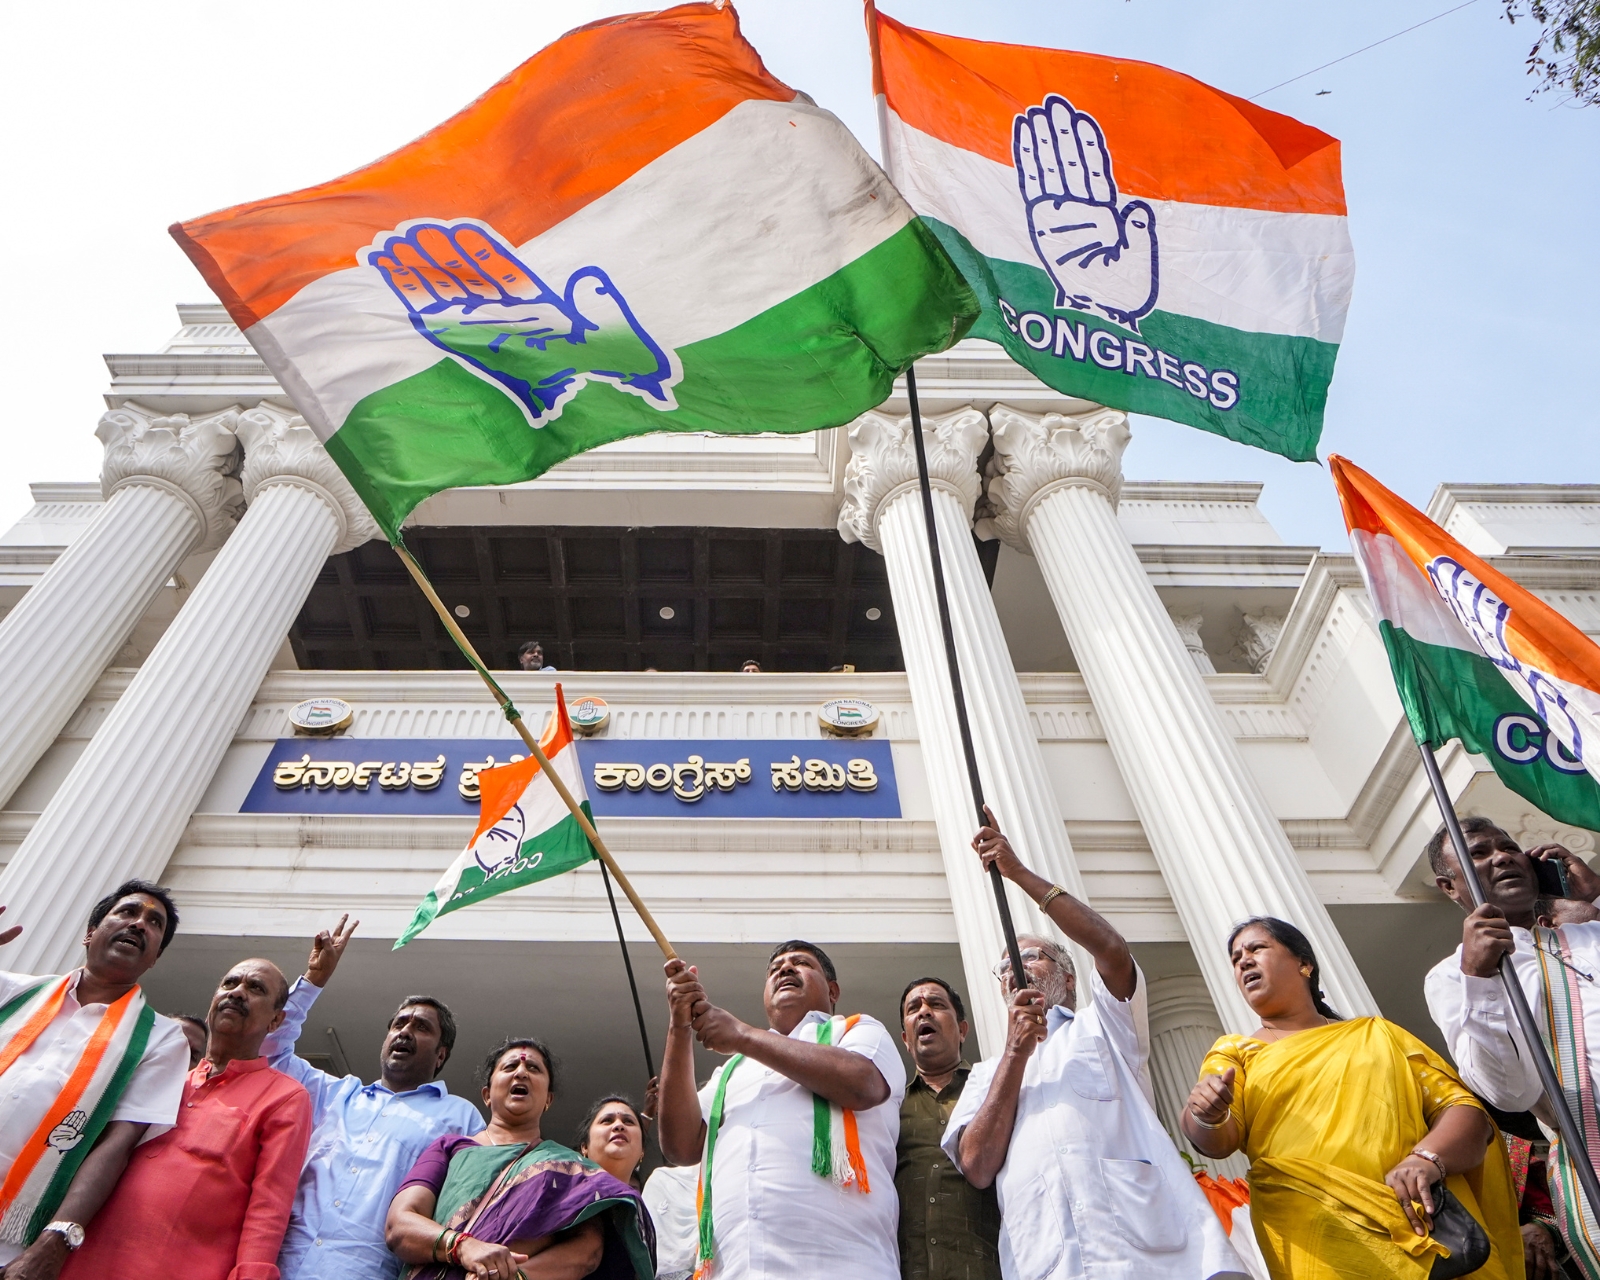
127 932
1062 1123
773 1218
1464 992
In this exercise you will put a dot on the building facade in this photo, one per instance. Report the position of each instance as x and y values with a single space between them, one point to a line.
1176 715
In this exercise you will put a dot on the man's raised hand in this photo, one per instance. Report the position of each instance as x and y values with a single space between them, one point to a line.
1099 256
684 992
1582 882
1026 1027
327 949
468 293
6 936
994 849
1485 937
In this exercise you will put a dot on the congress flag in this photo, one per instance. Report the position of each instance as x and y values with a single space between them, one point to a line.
525 831
1477 657
1136 237
639 229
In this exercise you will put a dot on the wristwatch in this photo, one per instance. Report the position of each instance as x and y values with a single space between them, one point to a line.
71 1232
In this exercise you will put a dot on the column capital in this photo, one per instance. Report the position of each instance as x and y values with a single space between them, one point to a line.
196 459
1036 454
280 449
883 465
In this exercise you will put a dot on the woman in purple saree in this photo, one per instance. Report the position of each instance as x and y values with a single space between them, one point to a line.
511 1205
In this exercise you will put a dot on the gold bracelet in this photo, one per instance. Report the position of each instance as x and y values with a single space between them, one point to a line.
1055 892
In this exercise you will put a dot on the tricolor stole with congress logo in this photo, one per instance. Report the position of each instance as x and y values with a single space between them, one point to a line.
1136 237
65 1133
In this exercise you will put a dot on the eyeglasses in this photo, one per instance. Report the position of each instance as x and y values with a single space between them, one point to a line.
1030 956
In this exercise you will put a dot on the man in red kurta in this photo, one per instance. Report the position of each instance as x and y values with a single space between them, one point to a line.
210 1199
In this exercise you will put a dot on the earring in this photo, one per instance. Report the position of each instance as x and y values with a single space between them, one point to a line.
1305 973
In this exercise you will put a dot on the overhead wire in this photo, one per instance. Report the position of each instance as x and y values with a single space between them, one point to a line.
1363 49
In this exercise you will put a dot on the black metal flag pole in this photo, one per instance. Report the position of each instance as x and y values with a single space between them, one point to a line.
973 778
627 962
1571 1133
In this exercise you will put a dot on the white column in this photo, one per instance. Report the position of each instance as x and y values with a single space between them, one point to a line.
1221 850
171 489
883 508
1183 1027
121 810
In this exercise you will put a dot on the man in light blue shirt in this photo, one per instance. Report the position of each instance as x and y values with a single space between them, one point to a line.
367 1136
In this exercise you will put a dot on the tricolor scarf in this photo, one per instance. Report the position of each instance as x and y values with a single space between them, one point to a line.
65 1132
835 1140
1562 1030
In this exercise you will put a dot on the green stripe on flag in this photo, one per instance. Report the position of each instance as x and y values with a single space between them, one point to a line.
1278 388
1451 693
563 847
818 359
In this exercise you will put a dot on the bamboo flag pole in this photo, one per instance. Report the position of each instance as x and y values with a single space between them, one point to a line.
515 717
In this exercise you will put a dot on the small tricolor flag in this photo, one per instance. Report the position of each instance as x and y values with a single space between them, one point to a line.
525 831
1136 237
639 229
1477 657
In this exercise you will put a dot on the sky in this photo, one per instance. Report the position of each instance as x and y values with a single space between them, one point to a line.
1473 334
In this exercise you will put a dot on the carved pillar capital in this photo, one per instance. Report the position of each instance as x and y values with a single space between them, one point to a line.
883 465
280 449
1188 624
1257 639
1036 454
196 459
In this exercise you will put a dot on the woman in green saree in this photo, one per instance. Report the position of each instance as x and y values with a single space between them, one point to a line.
512 1205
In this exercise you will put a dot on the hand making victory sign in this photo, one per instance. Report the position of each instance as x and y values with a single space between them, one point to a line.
468 293
1099 256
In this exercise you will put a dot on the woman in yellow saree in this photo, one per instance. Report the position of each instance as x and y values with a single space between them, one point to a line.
1348 1125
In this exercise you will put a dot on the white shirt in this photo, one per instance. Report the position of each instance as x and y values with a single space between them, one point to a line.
669 1197
1092 1185
773 1217
1481 1030
36 1078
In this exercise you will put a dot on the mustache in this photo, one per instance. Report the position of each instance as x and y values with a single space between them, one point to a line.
133 935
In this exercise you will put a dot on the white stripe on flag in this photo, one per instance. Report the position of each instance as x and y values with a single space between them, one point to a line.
752 210
1249 269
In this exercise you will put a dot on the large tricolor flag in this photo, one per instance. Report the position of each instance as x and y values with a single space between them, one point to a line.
1477 657
525 831
639 229
1136 237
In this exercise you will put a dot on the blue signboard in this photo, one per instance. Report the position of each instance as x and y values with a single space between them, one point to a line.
637 778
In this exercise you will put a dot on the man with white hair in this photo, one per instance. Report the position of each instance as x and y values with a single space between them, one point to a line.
1062 1122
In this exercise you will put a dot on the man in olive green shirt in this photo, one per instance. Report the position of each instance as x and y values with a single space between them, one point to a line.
949 1230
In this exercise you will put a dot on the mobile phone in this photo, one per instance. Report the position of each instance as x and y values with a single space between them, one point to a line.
1552 876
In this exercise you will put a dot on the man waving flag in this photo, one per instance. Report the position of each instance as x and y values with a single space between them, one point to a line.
525 832
1136 237
639 229
1477 657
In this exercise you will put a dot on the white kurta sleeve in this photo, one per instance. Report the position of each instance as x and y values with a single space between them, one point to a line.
978 1081
1482 1034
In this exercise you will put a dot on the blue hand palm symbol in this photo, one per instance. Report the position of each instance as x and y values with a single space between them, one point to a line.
1100 257
467 292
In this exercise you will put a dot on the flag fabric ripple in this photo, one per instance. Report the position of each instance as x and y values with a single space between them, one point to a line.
525 831
1136 237
639 229
1477 657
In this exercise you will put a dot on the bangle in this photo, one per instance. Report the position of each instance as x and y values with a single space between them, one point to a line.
1206 1124
1055 892
433 1253
1428 1155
